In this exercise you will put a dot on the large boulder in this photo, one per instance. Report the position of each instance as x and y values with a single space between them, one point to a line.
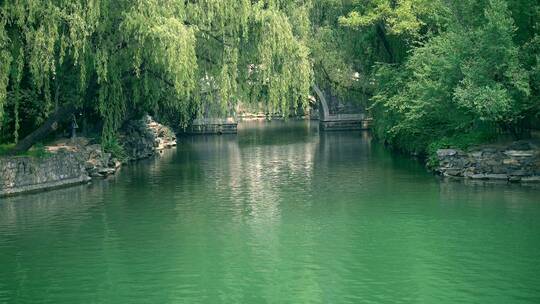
143 138
98 163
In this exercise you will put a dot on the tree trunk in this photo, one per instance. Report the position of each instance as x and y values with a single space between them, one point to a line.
48 126
382 35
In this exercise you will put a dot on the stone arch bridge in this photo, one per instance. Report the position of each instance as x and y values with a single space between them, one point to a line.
353 120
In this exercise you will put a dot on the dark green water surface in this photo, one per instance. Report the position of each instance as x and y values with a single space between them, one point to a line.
277 214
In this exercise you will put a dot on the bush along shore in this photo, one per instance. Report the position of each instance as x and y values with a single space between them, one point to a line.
70 162
516 162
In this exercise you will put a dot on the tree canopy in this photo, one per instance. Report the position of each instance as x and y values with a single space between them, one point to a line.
437 73
429 70
470 74
124 57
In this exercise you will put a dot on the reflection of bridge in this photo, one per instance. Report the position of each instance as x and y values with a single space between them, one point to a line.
339 122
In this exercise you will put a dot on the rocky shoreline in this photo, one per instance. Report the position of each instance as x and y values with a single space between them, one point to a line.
141 139
516 162
70 163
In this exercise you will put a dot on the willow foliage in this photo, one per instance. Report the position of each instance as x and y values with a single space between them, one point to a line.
173 58
428 69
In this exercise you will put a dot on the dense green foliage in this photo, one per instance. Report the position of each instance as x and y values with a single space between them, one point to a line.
433 72
469 73
119 58
437 73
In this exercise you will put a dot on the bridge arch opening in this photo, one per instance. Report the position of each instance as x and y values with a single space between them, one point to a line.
338 122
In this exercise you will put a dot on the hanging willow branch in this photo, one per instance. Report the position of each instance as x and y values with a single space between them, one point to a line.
97 49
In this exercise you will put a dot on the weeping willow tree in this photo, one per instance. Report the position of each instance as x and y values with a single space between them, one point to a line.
429 69
115 59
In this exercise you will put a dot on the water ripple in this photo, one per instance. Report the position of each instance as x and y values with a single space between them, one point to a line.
280 214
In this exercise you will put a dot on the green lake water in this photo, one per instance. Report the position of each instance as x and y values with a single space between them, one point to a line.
277 214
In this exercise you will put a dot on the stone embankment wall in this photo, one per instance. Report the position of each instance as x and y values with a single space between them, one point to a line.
79 163
518 162
26 174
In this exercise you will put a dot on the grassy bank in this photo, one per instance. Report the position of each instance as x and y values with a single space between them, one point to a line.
38 151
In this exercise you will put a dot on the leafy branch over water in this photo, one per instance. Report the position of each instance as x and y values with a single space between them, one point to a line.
429 71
